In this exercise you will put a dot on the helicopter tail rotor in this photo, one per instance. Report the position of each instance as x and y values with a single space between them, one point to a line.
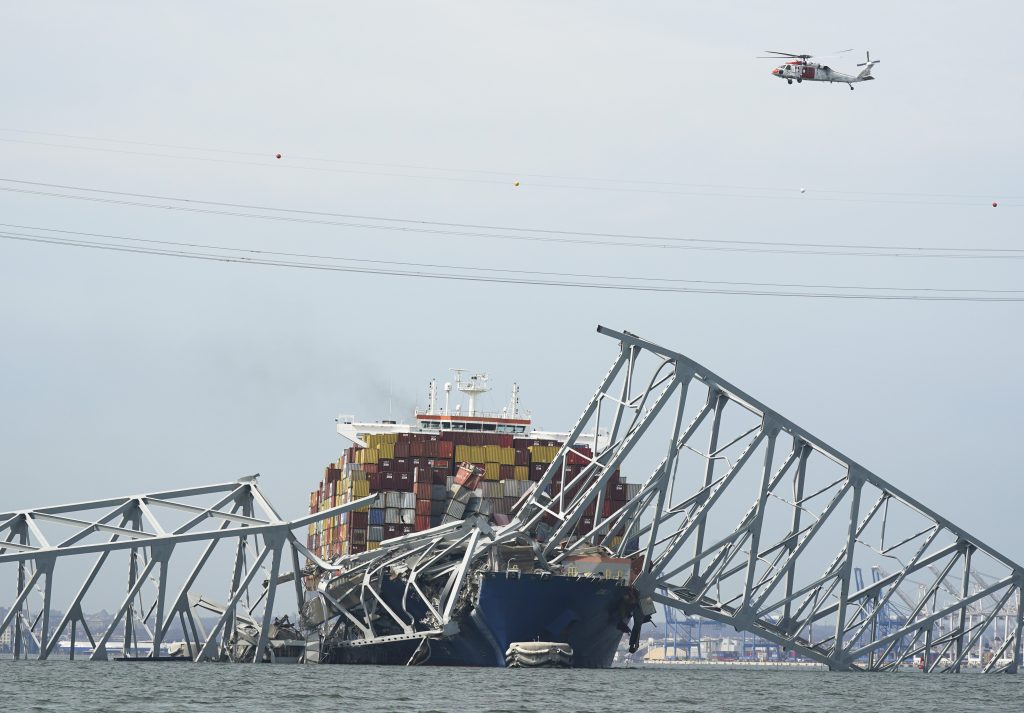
866 72
869 63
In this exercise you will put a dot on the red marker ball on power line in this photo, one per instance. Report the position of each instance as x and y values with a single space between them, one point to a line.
278 155
994 204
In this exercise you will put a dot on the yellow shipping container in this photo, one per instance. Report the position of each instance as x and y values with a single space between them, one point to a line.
367 455
522 472
543 454
470 454
387 450
497 454
492 471
375 440
360 488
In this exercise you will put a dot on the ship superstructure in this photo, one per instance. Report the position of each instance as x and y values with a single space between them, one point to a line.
413 466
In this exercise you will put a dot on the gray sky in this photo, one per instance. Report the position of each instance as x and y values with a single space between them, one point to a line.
127 373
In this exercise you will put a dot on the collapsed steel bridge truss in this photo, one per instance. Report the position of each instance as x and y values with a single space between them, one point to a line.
40 548
749 520
745 518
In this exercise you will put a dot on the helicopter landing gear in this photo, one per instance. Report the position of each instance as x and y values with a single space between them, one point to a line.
798 81
789 81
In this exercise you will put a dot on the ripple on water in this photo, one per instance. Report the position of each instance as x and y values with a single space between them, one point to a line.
84 687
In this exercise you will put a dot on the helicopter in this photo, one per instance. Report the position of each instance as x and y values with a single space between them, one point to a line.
799 67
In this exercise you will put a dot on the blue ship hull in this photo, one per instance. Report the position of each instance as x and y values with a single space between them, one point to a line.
583 612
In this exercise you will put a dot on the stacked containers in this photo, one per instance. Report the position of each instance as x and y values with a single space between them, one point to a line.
466 481
419 485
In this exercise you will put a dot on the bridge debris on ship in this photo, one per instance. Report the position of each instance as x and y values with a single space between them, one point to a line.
744 518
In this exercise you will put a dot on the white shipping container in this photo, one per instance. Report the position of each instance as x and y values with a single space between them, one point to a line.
392 516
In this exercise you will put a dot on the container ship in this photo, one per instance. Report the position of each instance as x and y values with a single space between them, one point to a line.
432 563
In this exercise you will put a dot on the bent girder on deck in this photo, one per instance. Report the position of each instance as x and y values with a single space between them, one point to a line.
745 518
750 520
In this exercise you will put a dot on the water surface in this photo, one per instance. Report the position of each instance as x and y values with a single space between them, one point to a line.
156 687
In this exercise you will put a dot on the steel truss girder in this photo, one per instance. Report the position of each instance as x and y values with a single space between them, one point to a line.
758 573
243 517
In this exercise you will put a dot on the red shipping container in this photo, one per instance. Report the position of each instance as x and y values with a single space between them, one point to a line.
389 481
423 507
386 464
403 449
522 456
391 530
370 468
403 465
355 549
611 507
422 522
617 491
423 490
575 458
420 474
358 520
376 482
439 477
506 472
464 475
636 566
405 483
406 529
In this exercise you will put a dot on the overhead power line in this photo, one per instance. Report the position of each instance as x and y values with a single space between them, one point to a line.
468 230
199 251
477 175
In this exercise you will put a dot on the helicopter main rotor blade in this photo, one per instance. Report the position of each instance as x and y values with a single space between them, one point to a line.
784 54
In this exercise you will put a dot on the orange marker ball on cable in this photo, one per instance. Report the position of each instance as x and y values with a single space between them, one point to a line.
278 155
994 204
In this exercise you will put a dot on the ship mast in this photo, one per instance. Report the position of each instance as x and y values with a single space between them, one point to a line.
476 385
